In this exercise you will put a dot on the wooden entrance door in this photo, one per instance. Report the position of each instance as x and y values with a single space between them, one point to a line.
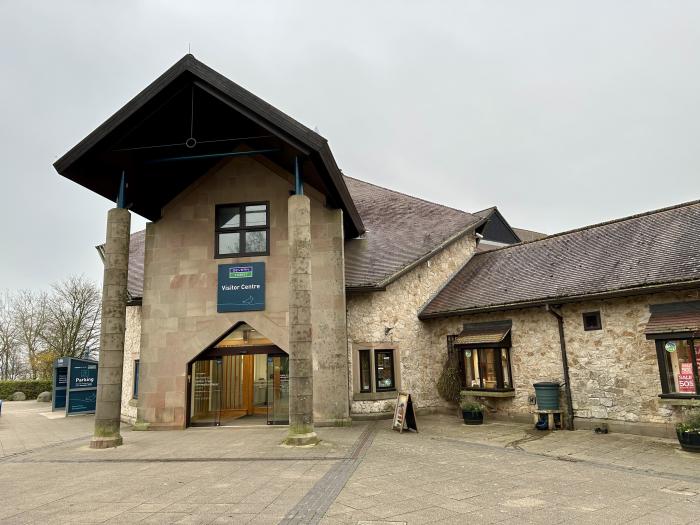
244 385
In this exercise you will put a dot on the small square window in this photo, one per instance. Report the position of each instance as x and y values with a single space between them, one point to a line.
591 321
242 230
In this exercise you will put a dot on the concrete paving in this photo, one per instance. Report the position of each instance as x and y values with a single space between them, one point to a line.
447 473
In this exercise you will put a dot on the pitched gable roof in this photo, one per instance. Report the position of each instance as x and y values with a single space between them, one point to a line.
154 125
401 231
645 252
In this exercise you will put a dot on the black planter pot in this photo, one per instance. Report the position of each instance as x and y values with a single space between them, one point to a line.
690 441
472 418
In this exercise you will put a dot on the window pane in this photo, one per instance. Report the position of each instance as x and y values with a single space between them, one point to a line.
136 379
506 368
471 367
490 364
229 243
679 366
365 380
384 364
256 241
228 217
256 215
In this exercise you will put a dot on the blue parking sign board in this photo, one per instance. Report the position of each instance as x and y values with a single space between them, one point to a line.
241 287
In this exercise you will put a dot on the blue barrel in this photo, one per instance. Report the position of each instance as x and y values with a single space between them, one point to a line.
547 395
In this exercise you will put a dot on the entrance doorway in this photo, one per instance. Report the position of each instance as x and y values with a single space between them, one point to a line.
232 381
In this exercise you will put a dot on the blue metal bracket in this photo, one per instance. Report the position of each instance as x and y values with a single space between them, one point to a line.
298 183
121 196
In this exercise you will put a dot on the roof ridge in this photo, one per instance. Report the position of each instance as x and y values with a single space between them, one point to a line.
407 195
595 225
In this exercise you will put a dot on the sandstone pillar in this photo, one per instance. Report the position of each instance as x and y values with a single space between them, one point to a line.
301 397
109 377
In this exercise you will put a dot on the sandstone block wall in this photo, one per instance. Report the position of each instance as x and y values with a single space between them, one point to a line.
417 360
179 317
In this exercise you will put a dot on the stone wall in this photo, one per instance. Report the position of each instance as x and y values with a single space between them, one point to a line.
132 351
389 319
180 318
614 371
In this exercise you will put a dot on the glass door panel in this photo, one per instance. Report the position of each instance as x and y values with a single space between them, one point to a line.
278 389
205 405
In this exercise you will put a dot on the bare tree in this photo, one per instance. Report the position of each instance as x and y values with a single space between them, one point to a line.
73 321
12 364
30 315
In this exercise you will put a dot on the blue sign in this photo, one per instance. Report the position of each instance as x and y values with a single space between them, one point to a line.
81 401
83 374
241 287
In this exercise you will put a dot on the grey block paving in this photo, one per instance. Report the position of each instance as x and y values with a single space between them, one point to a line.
448 473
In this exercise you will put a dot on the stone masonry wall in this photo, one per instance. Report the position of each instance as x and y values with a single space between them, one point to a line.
132 351
396 308
614 371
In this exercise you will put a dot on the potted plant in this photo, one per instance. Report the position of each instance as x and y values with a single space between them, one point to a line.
472 411
688 432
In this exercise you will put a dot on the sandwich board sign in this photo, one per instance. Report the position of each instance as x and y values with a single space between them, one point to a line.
404 414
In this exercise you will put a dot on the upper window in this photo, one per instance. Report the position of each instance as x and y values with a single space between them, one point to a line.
487 369
678 365
242 230
591 321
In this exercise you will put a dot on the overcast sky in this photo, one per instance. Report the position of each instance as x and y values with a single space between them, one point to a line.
560 113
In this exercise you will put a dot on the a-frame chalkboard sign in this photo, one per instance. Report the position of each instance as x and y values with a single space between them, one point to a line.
404 415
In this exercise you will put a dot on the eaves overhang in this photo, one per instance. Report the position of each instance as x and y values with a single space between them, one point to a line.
94 163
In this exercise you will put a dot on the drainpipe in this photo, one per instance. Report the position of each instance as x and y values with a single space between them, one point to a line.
556 312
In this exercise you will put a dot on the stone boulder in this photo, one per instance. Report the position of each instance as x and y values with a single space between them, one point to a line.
44 397
18 396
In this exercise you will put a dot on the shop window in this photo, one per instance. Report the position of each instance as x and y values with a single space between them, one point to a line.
365 371
591 321
679 365
242 230
384 370
487 369
376 373
135 393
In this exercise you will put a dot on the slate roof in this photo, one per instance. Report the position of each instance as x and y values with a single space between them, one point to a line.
400 230
649 251
528 235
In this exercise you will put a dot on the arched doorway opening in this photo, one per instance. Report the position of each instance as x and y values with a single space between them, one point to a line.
241 378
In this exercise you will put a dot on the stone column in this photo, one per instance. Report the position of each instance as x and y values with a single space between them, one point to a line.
301 388
109 376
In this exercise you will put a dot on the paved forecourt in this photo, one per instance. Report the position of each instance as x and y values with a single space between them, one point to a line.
447 473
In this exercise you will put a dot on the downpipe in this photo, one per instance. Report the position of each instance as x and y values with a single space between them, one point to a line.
556 312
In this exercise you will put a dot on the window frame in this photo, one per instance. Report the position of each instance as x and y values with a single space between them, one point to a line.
663 366
480 348
135 386
377 388
241 230
597 326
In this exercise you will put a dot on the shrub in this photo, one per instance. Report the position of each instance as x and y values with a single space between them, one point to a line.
691 422
469 404
30 388
450 383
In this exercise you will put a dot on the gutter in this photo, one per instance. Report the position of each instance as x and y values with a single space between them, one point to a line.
381 285
556 312
626 292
